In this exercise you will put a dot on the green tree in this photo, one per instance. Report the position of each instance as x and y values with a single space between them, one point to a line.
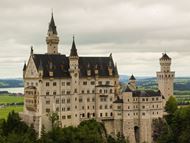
162 132
171 105
54 119
13 130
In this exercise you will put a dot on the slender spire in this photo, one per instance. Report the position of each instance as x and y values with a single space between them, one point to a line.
73 49
24 68
52 27
31 50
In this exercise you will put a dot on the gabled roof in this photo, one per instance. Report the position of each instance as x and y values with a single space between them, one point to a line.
60 65
165 57
52 26
101 63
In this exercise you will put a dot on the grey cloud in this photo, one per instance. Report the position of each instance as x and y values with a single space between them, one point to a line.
135 31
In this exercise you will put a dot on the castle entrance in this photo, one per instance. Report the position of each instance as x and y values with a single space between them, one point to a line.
137 134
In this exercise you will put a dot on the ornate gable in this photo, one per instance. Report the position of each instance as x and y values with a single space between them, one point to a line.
31 70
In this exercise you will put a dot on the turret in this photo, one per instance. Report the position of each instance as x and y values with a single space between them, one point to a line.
165 77
165 63
52 39
74 67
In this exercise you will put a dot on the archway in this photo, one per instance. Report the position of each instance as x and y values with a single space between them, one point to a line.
137 134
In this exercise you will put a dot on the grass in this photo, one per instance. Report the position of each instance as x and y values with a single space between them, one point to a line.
10 99
5 111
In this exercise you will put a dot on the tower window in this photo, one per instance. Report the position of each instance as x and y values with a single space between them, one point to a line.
84 83
92 82
54 83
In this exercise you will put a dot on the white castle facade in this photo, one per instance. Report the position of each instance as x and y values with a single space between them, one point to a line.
82 88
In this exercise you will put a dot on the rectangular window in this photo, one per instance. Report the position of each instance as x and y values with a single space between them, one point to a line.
68 116
47 93
57 101
107 82
80 99
63 83
47 101
100 82
47 110
118 107
68 83
84 82
54 83
54 93
92 83
47 83
68 100
63 117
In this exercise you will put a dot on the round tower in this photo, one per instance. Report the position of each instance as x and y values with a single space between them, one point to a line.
165 77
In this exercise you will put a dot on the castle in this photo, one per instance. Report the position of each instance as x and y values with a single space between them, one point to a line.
81 88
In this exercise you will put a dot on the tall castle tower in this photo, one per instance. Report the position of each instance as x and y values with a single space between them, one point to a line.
52 38
165 77
74 73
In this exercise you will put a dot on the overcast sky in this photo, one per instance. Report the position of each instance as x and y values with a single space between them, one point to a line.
136 32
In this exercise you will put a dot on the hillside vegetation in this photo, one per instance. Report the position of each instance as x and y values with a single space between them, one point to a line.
5 83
